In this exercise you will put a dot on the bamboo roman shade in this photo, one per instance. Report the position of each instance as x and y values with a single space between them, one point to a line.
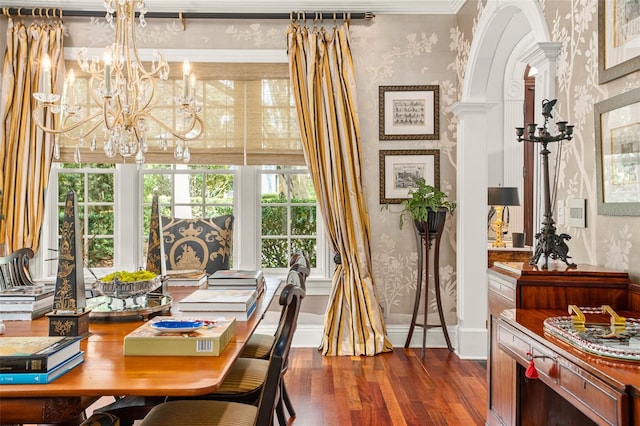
247 110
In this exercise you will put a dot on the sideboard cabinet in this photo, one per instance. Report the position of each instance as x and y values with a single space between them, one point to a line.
520 285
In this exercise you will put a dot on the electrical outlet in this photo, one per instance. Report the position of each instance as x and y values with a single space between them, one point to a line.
560 212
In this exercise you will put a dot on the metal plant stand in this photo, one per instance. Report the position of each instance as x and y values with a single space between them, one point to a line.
426 239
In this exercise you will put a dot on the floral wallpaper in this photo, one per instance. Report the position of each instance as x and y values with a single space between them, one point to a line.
427 50
607 240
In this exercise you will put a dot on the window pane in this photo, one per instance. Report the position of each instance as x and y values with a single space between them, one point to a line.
274 220
69 181
100 252
160 183
303 220
219 189
100 187
274 253
100 220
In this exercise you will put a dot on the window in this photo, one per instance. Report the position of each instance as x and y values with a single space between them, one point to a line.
275 210
248 163
288 216
94 188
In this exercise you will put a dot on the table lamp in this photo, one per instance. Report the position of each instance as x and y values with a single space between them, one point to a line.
499 197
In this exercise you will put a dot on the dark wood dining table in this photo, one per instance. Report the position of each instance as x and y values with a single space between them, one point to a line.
106 371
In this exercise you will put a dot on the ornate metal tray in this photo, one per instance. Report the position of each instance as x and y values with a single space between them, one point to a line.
619 338
144 306
120 289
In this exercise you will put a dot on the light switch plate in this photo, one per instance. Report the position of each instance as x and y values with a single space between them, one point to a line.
577 208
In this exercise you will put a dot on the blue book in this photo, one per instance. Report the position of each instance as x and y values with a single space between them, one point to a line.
41 378
36 354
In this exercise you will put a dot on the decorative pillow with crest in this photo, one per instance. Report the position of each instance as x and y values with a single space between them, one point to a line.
203 244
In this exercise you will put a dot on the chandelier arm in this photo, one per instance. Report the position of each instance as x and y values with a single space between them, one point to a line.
195 123
40 109
106 112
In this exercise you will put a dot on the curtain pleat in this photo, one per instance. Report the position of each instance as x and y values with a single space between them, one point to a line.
25 151
323 82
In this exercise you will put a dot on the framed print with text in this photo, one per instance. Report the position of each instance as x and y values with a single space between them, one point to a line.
409 112
618 38
617 125
399 169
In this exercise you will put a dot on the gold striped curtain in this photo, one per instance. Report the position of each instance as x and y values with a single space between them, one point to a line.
25 151
323 82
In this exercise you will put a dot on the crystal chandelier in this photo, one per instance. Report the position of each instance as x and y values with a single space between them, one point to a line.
125 93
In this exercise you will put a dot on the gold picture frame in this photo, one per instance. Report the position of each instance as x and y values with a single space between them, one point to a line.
618 39
617 131
409 112
399 170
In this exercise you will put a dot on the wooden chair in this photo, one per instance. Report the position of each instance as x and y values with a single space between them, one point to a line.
216 412
14 269
260 345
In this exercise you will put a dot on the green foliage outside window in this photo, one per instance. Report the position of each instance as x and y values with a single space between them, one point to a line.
94 196
285 227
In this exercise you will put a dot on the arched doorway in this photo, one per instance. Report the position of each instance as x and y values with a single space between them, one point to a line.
509 36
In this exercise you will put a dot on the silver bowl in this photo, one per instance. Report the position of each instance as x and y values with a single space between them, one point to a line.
120 289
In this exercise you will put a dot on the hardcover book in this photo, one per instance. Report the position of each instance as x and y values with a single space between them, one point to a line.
238 315
186 278
235 276
27 293
210 339
26 305
26 315
211 299
15 378
36 354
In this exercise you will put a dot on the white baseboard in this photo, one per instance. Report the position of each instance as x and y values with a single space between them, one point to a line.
310 335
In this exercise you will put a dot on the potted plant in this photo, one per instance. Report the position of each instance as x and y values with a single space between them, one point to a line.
423 202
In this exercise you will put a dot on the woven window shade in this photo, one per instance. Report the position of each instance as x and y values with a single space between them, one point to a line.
247 110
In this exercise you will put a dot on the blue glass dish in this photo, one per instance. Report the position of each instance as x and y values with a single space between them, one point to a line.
176 326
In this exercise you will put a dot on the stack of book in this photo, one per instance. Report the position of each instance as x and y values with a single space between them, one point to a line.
29 360
186 278
229 279
166 336
220 303
26 302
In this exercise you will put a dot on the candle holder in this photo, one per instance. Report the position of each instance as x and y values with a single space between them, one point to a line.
548 243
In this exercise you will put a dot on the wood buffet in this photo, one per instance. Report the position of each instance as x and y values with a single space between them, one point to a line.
106 371
575 387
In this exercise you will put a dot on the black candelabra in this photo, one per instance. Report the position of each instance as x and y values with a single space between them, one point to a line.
547 242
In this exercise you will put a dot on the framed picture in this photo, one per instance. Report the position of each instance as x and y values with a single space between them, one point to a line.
399 170
409 112
618 38
617 122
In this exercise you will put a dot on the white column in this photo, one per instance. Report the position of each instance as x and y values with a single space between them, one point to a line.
514 151
471 219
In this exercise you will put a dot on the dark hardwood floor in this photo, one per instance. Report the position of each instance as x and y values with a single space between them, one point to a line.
391 389
394 388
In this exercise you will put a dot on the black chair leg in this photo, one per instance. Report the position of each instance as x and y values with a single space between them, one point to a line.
284 396
282 420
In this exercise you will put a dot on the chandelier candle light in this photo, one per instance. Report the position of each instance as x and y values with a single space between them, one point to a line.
547 242
125 93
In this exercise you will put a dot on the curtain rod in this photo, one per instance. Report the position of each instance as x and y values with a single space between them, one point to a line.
41 12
